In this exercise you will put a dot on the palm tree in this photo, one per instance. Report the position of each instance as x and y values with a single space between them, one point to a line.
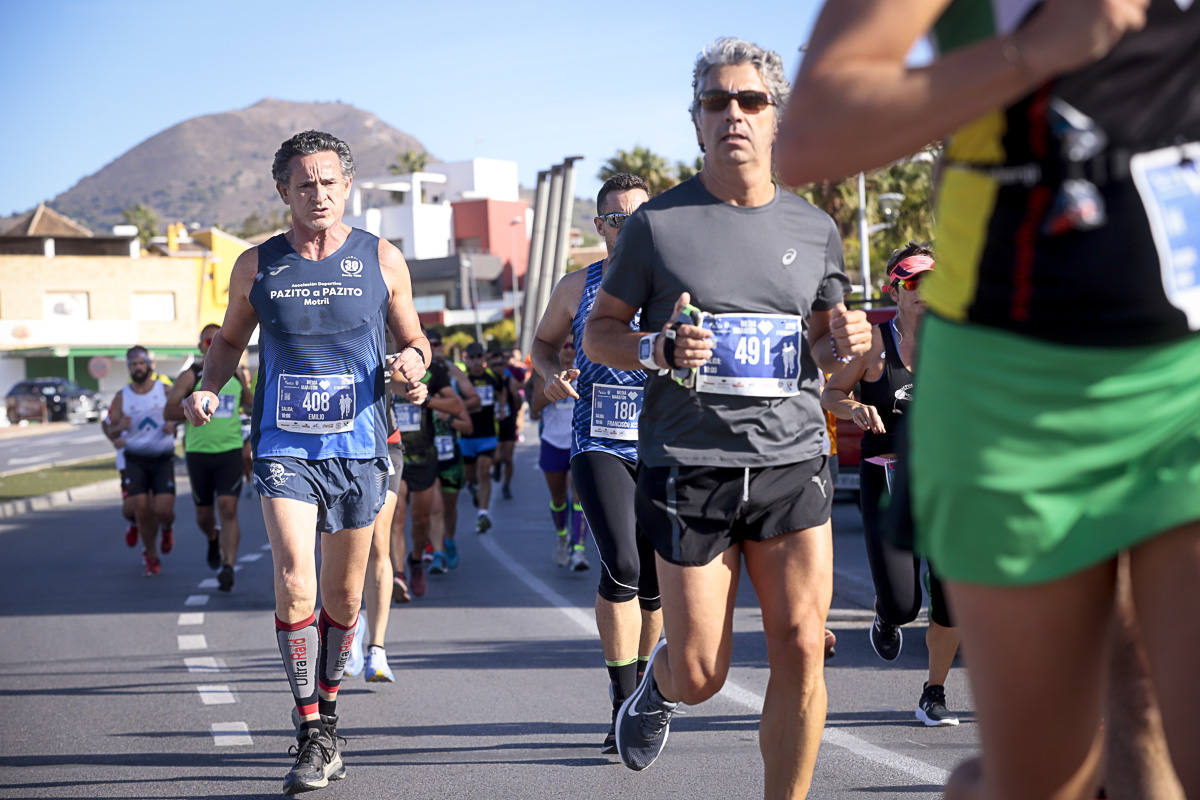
655 170
407 163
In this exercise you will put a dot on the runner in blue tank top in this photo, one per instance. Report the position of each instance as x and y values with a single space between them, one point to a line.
604 456
321 294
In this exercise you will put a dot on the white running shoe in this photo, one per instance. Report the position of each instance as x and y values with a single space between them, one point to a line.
354 661
377 670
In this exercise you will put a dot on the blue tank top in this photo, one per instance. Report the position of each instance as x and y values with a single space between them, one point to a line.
322 324
591 374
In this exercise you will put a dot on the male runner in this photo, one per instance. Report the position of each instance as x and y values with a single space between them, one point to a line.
479 448
733 462
1056 427
323 295
136 415
118 442
604 455
508 418
214 459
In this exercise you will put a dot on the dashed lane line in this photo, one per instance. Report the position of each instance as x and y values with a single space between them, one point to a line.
192 618
196 600
216 695
230 734
192 641
204 664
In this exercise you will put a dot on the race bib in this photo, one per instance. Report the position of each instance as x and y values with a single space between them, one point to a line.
445 447
1169 187
615 411
754 355
226 406
315 403
408 416
487 394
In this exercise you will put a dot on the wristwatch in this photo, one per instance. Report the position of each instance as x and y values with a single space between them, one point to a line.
646 351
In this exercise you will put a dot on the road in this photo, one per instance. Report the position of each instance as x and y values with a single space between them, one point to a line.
21 450
122 686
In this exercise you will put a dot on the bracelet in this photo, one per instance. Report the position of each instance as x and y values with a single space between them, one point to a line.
417 350
833 349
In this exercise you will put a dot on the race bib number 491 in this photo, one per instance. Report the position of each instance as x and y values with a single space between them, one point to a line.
754 355
315 403
1168 182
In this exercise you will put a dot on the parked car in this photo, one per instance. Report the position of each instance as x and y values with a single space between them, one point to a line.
58 398
849 435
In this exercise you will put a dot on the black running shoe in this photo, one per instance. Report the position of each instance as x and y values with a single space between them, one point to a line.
318 760
225 578
886 639
931 708
214 554
644 721
506 492
610 741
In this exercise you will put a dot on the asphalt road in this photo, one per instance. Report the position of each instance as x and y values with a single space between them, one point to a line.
117 685
20 450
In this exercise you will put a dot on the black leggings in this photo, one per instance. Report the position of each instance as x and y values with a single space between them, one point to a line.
605 486
895 571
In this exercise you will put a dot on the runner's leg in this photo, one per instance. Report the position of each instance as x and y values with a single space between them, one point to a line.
378 587
231 531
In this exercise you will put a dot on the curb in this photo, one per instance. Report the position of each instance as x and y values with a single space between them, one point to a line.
89 491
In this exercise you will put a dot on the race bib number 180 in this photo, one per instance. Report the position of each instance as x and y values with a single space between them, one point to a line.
1168 181
315 403
754 355
615 411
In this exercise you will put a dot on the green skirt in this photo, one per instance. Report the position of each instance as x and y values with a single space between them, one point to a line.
1033 460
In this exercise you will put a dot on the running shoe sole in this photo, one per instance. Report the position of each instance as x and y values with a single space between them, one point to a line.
930 722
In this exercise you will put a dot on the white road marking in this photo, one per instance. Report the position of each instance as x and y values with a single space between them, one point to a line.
196 600
193 618
250 557
208 583
218 695
192 641
42 457
96 437
231 734
926 773
204 664
265 547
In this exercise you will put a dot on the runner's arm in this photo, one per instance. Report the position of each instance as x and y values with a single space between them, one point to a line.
465 388
552 331
856 104
838 395
402 317
116 422
180 389
537 396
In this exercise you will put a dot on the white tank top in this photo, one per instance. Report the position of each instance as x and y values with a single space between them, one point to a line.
556 423
145 436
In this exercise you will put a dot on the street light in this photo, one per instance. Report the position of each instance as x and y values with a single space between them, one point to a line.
889 209
474 295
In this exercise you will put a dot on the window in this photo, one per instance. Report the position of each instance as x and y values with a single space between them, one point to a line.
59 306
152 306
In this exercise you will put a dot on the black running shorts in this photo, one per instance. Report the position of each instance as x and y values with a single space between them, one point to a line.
693 514
214 475
153 474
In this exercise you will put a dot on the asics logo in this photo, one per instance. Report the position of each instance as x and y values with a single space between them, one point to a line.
789 256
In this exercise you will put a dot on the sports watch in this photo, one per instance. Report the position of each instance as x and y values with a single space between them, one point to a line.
646 351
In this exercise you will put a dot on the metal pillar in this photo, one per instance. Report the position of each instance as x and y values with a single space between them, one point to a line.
549 243
863 236
562 243
533 267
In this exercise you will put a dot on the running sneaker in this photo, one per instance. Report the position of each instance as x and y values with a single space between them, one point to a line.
578 561
644 721
153 565
416 578
318 760
931 708
377 670
168 540
427 553
451 554
886 639
483 523
400 593
354 659
225 578
610 740
437 566
214 554
562 550
506 492
131 535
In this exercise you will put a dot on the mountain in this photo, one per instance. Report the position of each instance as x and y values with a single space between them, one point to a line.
216 169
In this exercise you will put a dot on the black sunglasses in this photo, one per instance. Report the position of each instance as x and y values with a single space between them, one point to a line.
750 100
615 219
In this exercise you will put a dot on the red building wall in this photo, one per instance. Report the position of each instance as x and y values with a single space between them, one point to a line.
491 222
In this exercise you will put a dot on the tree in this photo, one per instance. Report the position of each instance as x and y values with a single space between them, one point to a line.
145 220
501 334
257 223
684 170
407 163
655 170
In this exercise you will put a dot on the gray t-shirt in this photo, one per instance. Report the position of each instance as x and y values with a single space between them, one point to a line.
781 258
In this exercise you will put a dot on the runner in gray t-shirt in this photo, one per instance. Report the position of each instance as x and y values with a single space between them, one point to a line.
733 463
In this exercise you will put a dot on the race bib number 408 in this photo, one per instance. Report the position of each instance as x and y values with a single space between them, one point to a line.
315 403
754 355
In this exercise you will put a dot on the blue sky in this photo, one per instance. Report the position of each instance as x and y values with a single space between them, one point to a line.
529 82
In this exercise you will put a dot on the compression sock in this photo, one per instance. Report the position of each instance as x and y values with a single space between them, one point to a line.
578 524
642 661
559 515
335 648
622 675
299 644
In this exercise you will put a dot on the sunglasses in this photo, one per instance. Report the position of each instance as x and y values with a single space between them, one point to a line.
615 219
207 341
749 100
908 283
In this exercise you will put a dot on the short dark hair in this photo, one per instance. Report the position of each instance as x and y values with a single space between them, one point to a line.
621 182
136 351
306 143
910 249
